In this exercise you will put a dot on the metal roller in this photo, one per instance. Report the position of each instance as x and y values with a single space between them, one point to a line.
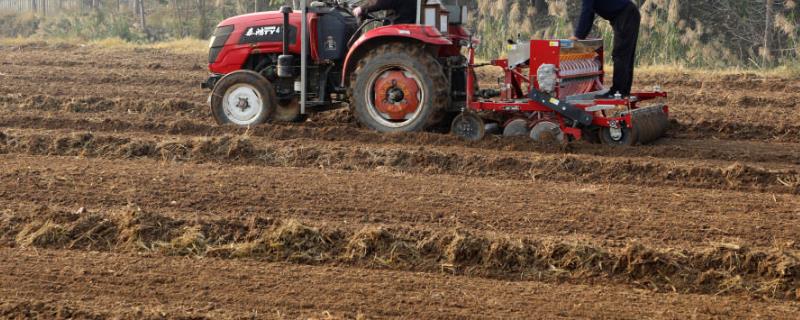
643 123
650 123
664 120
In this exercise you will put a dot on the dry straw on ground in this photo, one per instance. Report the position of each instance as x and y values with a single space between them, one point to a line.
716 268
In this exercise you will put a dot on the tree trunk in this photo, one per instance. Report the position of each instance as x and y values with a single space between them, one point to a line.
142 16
201 5
768 32
179 17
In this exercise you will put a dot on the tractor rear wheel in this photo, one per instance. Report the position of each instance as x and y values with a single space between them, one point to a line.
243 98
399 87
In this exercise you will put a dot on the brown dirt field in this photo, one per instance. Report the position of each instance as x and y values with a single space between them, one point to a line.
120 198
100 285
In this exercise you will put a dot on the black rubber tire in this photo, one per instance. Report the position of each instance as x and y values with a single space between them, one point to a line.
629 137
458 82
468 126
261 84
412 58
289 111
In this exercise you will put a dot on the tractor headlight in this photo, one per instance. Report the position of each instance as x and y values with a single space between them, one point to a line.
443 23
217 41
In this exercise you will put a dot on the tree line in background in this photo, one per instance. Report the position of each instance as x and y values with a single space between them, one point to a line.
704 33
132 20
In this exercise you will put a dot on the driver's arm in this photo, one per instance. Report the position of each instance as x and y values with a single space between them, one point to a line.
379 5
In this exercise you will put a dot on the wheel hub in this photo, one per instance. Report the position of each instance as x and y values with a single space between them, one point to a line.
396 95
242 103
615 131
468 126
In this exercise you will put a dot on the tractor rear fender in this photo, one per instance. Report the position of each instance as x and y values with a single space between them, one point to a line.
422 35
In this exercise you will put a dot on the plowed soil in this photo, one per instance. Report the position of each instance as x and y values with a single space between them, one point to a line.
121 198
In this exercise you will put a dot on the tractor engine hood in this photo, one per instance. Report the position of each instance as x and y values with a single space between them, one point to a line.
250 18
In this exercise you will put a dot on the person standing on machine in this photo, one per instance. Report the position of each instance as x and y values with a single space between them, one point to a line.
625 19
405 10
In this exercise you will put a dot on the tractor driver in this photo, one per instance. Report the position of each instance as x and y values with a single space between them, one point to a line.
405 10
625 19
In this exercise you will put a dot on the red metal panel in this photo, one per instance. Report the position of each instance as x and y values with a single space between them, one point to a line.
543 52
234 55
425 34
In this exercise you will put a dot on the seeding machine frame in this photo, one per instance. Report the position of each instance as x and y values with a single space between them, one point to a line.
549 113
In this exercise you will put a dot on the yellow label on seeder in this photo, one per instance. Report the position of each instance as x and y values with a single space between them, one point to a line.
554 43
554 101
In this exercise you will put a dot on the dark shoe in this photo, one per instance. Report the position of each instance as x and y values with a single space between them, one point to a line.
610 95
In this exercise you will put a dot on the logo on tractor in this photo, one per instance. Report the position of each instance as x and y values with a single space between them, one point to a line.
263 31
270 33
330 44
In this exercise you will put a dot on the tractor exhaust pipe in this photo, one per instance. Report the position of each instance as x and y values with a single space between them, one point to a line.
303 54
285 59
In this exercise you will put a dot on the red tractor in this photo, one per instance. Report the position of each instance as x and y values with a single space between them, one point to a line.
394 77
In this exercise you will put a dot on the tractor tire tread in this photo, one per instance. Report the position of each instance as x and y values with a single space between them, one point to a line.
431 68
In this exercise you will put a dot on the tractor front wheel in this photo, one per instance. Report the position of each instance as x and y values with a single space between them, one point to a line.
243 98
399 87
